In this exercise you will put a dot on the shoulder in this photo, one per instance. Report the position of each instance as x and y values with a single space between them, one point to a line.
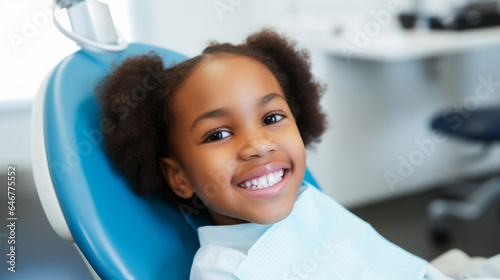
216 262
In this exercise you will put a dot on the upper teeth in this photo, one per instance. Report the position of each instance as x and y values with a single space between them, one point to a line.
264 181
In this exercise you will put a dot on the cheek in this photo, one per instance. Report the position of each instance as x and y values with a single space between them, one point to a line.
211 168
294 140
295 147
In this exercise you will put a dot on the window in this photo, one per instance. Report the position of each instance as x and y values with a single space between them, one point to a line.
32 46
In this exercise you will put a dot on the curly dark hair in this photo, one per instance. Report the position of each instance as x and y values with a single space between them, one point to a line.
136 99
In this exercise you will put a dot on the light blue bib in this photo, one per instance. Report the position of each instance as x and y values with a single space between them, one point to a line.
320 239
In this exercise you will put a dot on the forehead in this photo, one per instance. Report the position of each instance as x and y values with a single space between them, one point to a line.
228 72
221 81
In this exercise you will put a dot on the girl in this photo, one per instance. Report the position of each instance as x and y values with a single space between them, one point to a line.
227 128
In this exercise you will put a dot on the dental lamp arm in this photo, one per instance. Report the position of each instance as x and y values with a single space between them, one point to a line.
92 25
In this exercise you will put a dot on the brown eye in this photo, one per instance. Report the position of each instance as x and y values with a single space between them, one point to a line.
216 135
274 118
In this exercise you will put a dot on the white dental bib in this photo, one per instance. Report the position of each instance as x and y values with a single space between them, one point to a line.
320 239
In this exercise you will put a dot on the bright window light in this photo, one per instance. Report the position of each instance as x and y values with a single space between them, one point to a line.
32 45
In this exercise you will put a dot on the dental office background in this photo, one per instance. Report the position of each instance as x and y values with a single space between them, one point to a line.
384 83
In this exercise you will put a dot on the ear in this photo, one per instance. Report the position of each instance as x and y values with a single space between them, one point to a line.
176 177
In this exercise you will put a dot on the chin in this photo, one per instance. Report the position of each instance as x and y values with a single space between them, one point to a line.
274 219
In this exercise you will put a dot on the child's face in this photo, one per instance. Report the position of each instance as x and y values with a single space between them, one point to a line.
232 127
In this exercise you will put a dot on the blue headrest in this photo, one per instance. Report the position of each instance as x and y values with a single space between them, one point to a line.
121 234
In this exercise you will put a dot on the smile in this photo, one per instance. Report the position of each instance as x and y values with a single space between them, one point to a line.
264 181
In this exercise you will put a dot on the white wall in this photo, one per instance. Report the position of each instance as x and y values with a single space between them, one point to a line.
187 26
379 112
15 131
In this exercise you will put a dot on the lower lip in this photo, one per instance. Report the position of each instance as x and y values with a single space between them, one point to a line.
269 191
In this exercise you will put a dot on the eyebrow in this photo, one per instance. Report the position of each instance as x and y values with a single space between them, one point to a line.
219 113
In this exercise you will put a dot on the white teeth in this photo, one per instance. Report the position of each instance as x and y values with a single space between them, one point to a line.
264 181
270 178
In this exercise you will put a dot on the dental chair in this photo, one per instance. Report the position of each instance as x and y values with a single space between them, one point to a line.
479 126
119 235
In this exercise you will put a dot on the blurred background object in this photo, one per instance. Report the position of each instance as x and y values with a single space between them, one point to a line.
452 15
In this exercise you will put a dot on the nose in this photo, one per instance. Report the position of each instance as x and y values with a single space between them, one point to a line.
257 146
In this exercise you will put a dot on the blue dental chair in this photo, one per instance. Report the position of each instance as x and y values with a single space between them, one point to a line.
120 235
480 126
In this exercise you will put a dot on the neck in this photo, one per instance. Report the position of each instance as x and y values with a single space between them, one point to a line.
223 220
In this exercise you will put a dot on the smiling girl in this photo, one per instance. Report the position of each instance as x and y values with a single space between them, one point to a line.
227 128
218 123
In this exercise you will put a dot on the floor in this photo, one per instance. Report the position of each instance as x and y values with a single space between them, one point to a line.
41 254
403 221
